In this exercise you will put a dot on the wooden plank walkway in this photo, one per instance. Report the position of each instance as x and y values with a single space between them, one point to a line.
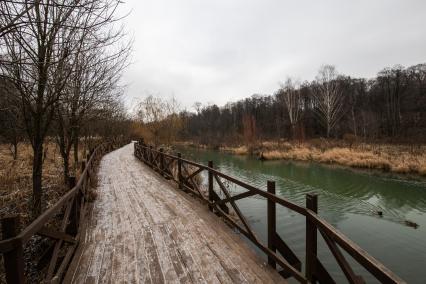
142 229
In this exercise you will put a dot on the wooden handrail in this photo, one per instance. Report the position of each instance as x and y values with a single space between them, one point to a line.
375 267
71 200
288 261
277 199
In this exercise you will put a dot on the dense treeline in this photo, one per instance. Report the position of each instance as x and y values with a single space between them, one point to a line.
391 106
60 67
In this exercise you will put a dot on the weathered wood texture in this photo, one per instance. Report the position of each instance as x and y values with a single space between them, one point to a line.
144 230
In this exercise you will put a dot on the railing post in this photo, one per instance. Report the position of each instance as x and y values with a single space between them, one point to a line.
14 259
72 227
311 238
71 182
151 160
179 155
161 161
272 223
142 153
83 166
210 164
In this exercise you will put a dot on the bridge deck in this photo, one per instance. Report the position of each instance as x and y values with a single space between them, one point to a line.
143 229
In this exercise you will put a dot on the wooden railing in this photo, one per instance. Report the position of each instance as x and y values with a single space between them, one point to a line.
71 207
184 173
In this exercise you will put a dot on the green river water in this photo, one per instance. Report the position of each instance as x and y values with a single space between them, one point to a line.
348 199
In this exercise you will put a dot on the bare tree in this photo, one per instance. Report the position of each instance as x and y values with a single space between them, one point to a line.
290 91
14 16
392 82
92 86
173 122
150 112
160 116
11 126
38 55
249 129
34 60
197 106
328 97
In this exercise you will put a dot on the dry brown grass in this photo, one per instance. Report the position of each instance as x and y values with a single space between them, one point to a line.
16 179
191 144
16 193
423 169
387 157
240 150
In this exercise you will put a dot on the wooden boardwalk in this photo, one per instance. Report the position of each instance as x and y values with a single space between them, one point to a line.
142 229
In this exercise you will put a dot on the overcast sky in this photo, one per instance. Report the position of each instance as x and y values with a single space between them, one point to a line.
223 50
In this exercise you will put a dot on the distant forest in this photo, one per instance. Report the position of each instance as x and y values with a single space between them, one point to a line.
390 107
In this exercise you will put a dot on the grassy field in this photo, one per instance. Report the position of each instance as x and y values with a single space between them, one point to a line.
16 179
402 159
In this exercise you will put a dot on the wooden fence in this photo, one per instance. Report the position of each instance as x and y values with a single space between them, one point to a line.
71 207
184 173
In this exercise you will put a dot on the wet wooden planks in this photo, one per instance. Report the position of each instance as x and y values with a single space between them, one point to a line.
141 229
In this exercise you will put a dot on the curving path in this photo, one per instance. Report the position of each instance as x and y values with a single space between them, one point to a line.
142 229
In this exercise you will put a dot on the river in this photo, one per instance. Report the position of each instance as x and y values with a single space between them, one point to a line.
348 199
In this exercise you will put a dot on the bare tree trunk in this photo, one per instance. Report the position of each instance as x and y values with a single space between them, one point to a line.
37 176
64 149
293 131
328 125
15 151
65 154
76 145
354 121
66 168
291 96
15 148
328 98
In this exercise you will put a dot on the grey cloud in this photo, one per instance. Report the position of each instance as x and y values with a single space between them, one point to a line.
223 50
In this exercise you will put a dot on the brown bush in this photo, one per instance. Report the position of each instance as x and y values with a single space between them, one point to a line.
350 139
319 143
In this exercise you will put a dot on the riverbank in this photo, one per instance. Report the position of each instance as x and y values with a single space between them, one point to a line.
401 159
